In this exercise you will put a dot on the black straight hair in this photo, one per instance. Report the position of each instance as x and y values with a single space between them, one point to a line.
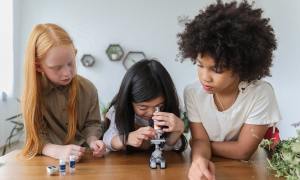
144 81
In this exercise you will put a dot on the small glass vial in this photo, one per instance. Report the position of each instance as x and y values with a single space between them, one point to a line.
62 167
72 164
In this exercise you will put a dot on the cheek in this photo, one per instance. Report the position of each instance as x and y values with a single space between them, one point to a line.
220 82
72 70
50 75
223 83
139 112
72 73
199 73
144 114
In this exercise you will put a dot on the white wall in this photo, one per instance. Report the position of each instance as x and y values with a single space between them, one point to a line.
151 26
6 46
284 17
9 107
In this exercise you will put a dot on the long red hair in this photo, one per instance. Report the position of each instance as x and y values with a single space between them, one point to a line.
43 37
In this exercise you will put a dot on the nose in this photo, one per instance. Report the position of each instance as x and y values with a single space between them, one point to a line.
151 110
66 71
204 75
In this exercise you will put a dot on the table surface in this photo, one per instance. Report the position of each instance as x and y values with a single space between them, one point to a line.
118 165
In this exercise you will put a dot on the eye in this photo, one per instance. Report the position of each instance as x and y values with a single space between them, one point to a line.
161 107
142 108
56 68
70 64
214 69
199 65
218 70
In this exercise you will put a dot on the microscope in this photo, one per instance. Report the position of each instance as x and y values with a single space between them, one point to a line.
157 155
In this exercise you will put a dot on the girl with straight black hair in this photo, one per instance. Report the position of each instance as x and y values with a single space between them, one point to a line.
146 86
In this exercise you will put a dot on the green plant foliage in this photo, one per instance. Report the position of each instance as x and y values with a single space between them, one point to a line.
16 130
184 117
285 158
18 127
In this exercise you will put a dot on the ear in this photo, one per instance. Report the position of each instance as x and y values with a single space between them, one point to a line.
38 67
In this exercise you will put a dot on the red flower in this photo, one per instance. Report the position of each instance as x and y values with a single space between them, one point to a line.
272 134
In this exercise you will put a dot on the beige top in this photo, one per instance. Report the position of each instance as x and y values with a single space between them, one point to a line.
55 114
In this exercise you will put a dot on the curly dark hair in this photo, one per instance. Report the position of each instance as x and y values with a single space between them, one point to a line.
235 35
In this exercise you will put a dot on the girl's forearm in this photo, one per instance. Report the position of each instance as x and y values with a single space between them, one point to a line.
231 149
91 139
173 138
117 143
51 150
200 149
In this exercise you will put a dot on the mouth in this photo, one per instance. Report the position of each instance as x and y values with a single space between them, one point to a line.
207 88
66 80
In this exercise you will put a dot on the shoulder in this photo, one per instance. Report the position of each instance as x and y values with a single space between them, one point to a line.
194 90
259 92
264 86
264 107
86 86
259 88
111 113
85 82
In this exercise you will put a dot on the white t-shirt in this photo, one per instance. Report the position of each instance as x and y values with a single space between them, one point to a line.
255 104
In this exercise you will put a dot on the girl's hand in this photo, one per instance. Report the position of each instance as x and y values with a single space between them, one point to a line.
169 122
64 152
202 168
98 148
137 137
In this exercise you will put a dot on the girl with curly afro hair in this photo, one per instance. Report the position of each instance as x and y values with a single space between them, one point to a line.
230 108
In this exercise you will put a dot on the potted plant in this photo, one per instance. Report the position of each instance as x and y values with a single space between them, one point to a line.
17 129
284 158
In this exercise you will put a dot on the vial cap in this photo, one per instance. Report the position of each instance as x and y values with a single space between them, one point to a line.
72 158
61 161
